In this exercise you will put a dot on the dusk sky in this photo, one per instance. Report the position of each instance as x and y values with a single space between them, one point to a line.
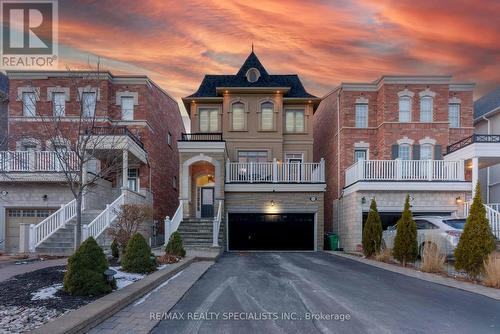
325 42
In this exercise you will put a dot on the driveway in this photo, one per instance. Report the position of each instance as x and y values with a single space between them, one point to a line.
281 292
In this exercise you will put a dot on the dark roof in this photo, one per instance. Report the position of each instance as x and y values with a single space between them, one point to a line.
211 82
487 103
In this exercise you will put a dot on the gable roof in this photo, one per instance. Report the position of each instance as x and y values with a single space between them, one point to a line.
487 103
208 87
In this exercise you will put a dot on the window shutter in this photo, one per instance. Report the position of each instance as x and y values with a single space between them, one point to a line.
416 152
394 151
437 152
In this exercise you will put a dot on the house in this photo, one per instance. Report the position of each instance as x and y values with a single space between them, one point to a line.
4 90
395 136
248 180
132 124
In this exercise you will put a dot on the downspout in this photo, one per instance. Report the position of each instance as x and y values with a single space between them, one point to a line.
488 168
338 166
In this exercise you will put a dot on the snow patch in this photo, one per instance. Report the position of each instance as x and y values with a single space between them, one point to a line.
124 279
46 293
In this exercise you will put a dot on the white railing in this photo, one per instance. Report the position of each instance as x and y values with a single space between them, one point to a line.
216 227
492 214
405 170
103 220
494 206
37 161
275 172
44 229
171 225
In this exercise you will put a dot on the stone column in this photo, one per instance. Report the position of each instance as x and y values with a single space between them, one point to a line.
475 174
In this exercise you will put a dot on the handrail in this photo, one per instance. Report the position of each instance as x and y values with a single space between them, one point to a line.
492 215
103 220
44 229
475 138
216 226
37 161
114 131
202 136
171 225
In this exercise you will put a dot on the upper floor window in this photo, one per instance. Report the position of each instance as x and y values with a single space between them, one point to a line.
405 109
426 104
58 104
238 116
267 116
426 152
360 154
169 139
454 115
127 108
29 104
88 104
404 152
294 120
209 119
361 115
133 179
252 156
253 75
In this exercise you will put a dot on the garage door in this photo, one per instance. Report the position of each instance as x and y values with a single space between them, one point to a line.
259 231
16 216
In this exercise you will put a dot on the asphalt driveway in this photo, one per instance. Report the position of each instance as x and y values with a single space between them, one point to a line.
321 293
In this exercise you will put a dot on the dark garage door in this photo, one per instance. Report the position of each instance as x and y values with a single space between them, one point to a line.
257 231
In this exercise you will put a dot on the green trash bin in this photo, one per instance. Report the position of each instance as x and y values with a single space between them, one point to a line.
333 241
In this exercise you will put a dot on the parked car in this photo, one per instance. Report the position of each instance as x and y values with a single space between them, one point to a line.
443 231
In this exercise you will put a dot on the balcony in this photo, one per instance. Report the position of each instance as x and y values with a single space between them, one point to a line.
275 172
114 131
202 136
405 170
37 161
475 138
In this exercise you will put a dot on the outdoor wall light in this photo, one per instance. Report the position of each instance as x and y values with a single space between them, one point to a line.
109 273
459 200
45 197
4 193
272 202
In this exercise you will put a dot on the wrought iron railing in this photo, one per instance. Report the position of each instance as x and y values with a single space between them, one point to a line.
475 138
114 131
202 136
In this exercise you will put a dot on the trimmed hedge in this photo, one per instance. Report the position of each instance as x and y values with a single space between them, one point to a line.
138 257
175 246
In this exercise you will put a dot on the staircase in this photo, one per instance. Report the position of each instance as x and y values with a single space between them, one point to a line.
62 242
197 232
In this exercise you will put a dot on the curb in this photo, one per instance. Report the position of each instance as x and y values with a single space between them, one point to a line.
83 319
433 278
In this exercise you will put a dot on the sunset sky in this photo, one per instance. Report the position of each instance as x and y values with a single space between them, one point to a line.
324 41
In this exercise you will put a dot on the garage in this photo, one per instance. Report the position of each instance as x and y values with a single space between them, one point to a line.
271 232
15 217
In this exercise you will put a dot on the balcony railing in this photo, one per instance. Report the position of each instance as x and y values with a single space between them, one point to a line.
37 161
475 138
114 131
405 170
275 172
202 136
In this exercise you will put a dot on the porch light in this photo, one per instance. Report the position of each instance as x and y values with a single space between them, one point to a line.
109 273
459 200
272 202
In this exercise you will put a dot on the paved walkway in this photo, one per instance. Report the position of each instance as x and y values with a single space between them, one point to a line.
136 318
10 270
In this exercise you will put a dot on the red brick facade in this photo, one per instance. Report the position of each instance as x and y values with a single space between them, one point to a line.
384 128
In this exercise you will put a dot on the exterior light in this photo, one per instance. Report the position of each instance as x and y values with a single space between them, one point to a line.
309 101
277 92
313 198
4 193
226 91
272 202
459 200
109 273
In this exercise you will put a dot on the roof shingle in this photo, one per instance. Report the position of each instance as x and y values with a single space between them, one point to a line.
487 103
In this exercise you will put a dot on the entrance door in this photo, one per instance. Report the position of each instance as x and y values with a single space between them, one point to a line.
207 202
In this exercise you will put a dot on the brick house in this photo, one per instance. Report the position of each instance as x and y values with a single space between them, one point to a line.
392 137
134 123
4 91
248 180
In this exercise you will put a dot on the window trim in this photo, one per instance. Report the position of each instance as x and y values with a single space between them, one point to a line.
273 119
238 151
231 115
366 119
295 110
422 99
401 98
459 111
130 98
212 108
136 178
361 149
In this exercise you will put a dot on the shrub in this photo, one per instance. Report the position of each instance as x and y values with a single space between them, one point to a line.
384 255
85 275
138 257
476 242
128 222
114 249
492 271
432 259
372 232
174 246
405 243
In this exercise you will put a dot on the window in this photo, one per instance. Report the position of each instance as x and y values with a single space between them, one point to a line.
294 120
294 157
404 152
127 108
454 115
267 116
58 104
209 120
361 115
426 103
253 75
88 104
404 109
29 104
426 152
133 179
169 139
174 182
252 156
238 116
360 154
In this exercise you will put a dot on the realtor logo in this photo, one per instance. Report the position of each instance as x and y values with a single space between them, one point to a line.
29 33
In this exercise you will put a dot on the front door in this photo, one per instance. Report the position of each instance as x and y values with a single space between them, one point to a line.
207 202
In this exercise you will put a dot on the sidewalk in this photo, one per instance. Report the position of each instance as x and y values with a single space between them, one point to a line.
11 269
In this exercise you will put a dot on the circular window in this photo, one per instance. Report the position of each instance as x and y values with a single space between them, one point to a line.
253 75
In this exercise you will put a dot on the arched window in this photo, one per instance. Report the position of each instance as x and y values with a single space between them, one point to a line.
426 103
267 116
404 152
238 116
405 108
426 152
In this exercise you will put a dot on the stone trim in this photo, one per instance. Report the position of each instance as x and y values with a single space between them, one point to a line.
406 92
57 140
58 89
405 140
427 92
454 100
427 140
361 100
28 89
28 140
127 93
89 89
361 144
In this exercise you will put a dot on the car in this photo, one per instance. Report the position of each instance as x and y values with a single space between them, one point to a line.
442 231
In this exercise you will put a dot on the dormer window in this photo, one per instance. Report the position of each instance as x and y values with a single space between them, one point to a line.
253 75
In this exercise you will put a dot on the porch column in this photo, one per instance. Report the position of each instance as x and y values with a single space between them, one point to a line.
84 181
475 174
125 169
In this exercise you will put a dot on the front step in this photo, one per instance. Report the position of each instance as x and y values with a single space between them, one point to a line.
196 233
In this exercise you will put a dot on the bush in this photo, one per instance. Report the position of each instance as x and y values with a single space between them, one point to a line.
128 222
138 257
492 271
432 259
85 275
174 246
476 242
114 249
405 243
372 232
384 255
